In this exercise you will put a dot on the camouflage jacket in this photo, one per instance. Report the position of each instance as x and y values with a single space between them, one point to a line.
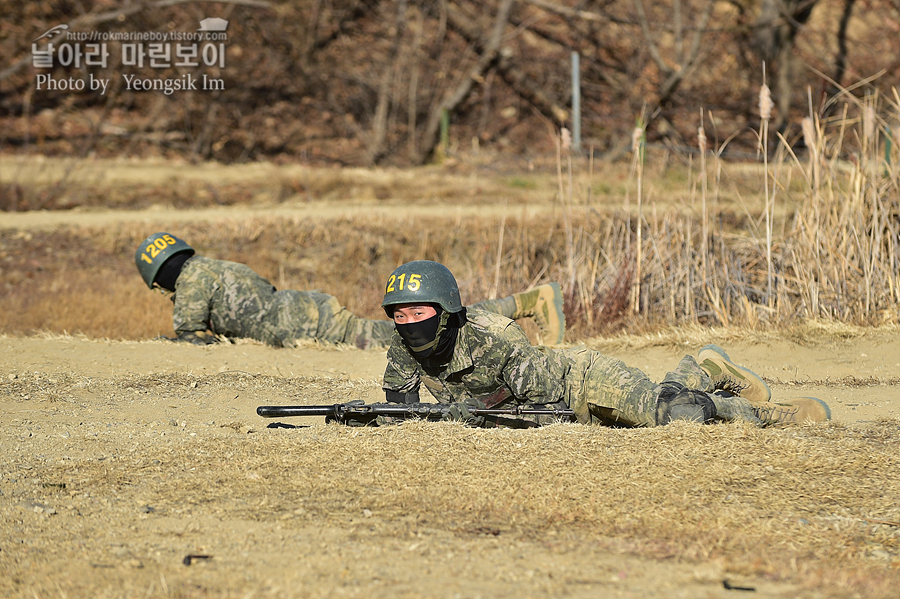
231 299
493 361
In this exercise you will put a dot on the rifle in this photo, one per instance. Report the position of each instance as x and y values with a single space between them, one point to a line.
363 414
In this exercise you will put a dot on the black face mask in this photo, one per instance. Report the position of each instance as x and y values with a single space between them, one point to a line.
169 271
422 337
432 340
443 351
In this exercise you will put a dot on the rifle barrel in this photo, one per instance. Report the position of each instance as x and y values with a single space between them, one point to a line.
282 411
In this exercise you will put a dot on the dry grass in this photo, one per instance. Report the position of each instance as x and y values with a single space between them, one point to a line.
814 505
93 268
804 333
757 247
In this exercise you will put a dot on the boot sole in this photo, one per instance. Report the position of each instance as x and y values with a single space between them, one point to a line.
721 353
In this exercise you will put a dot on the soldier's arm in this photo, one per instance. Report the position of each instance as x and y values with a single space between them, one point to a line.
401 377
192 305
534 374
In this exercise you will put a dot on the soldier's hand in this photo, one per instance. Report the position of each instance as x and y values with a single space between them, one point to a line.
464 411
198 338
348 418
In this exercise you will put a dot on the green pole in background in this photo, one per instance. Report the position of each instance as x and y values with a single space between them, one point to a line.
887 146
576 102
445 133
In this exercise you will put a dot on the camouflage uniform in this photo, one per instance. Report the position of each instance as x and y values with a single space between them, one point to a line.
494 363
231 299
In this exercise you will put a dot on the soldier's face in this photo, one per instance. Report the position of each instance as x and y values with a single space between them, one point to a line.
410 313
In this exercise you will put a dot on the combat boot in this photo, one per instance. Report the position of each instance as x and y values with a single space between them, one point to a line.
545 305
728 376
792 411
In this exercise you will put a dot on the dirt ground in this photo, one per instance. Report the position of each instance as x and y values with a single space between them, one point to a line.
123 459
140 469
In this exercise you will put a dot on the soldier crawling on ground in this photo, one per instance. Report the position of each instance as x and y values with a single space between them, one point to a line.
475 360
215 298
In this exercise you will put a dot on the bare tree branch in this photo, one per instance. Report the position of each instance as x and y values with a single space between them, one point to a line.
452 100
379 122
565 11
518 79
673 75
415 71
778 23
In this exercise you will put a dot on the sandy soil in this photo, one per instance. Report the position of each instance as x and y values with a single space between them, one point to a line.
856 376
123 459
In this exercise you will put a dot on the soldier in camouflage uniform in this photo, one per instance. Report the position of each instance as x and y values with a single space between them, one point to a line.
474 359
230 299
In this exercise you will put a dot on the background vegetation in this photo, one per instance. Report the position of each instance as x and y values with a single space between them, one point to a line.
365 82
700 193
638 248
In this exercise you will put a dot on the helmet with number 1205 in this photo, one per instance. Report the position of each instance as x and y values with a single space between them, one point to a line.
154 251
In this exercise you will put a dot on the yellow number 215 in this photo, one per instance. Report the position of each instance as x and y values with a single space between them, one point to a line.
413 284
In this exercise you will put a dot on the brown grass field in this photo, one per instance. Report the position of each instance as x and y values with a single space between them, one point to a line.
124 456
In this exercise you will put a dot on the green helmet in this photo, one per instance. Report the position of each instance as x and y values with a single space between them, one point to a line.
422 281
154 251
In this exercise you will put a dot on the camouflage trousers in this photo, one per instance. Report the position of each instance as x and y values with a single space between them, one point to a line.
613 394
505 306
339 325
319 316
365 333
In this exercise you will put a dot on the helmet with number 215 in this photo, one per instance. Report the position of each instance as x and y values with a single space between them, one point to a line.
422 282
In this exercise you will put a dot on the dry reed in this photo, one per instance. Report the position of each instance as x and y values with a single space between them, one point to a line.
827 250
